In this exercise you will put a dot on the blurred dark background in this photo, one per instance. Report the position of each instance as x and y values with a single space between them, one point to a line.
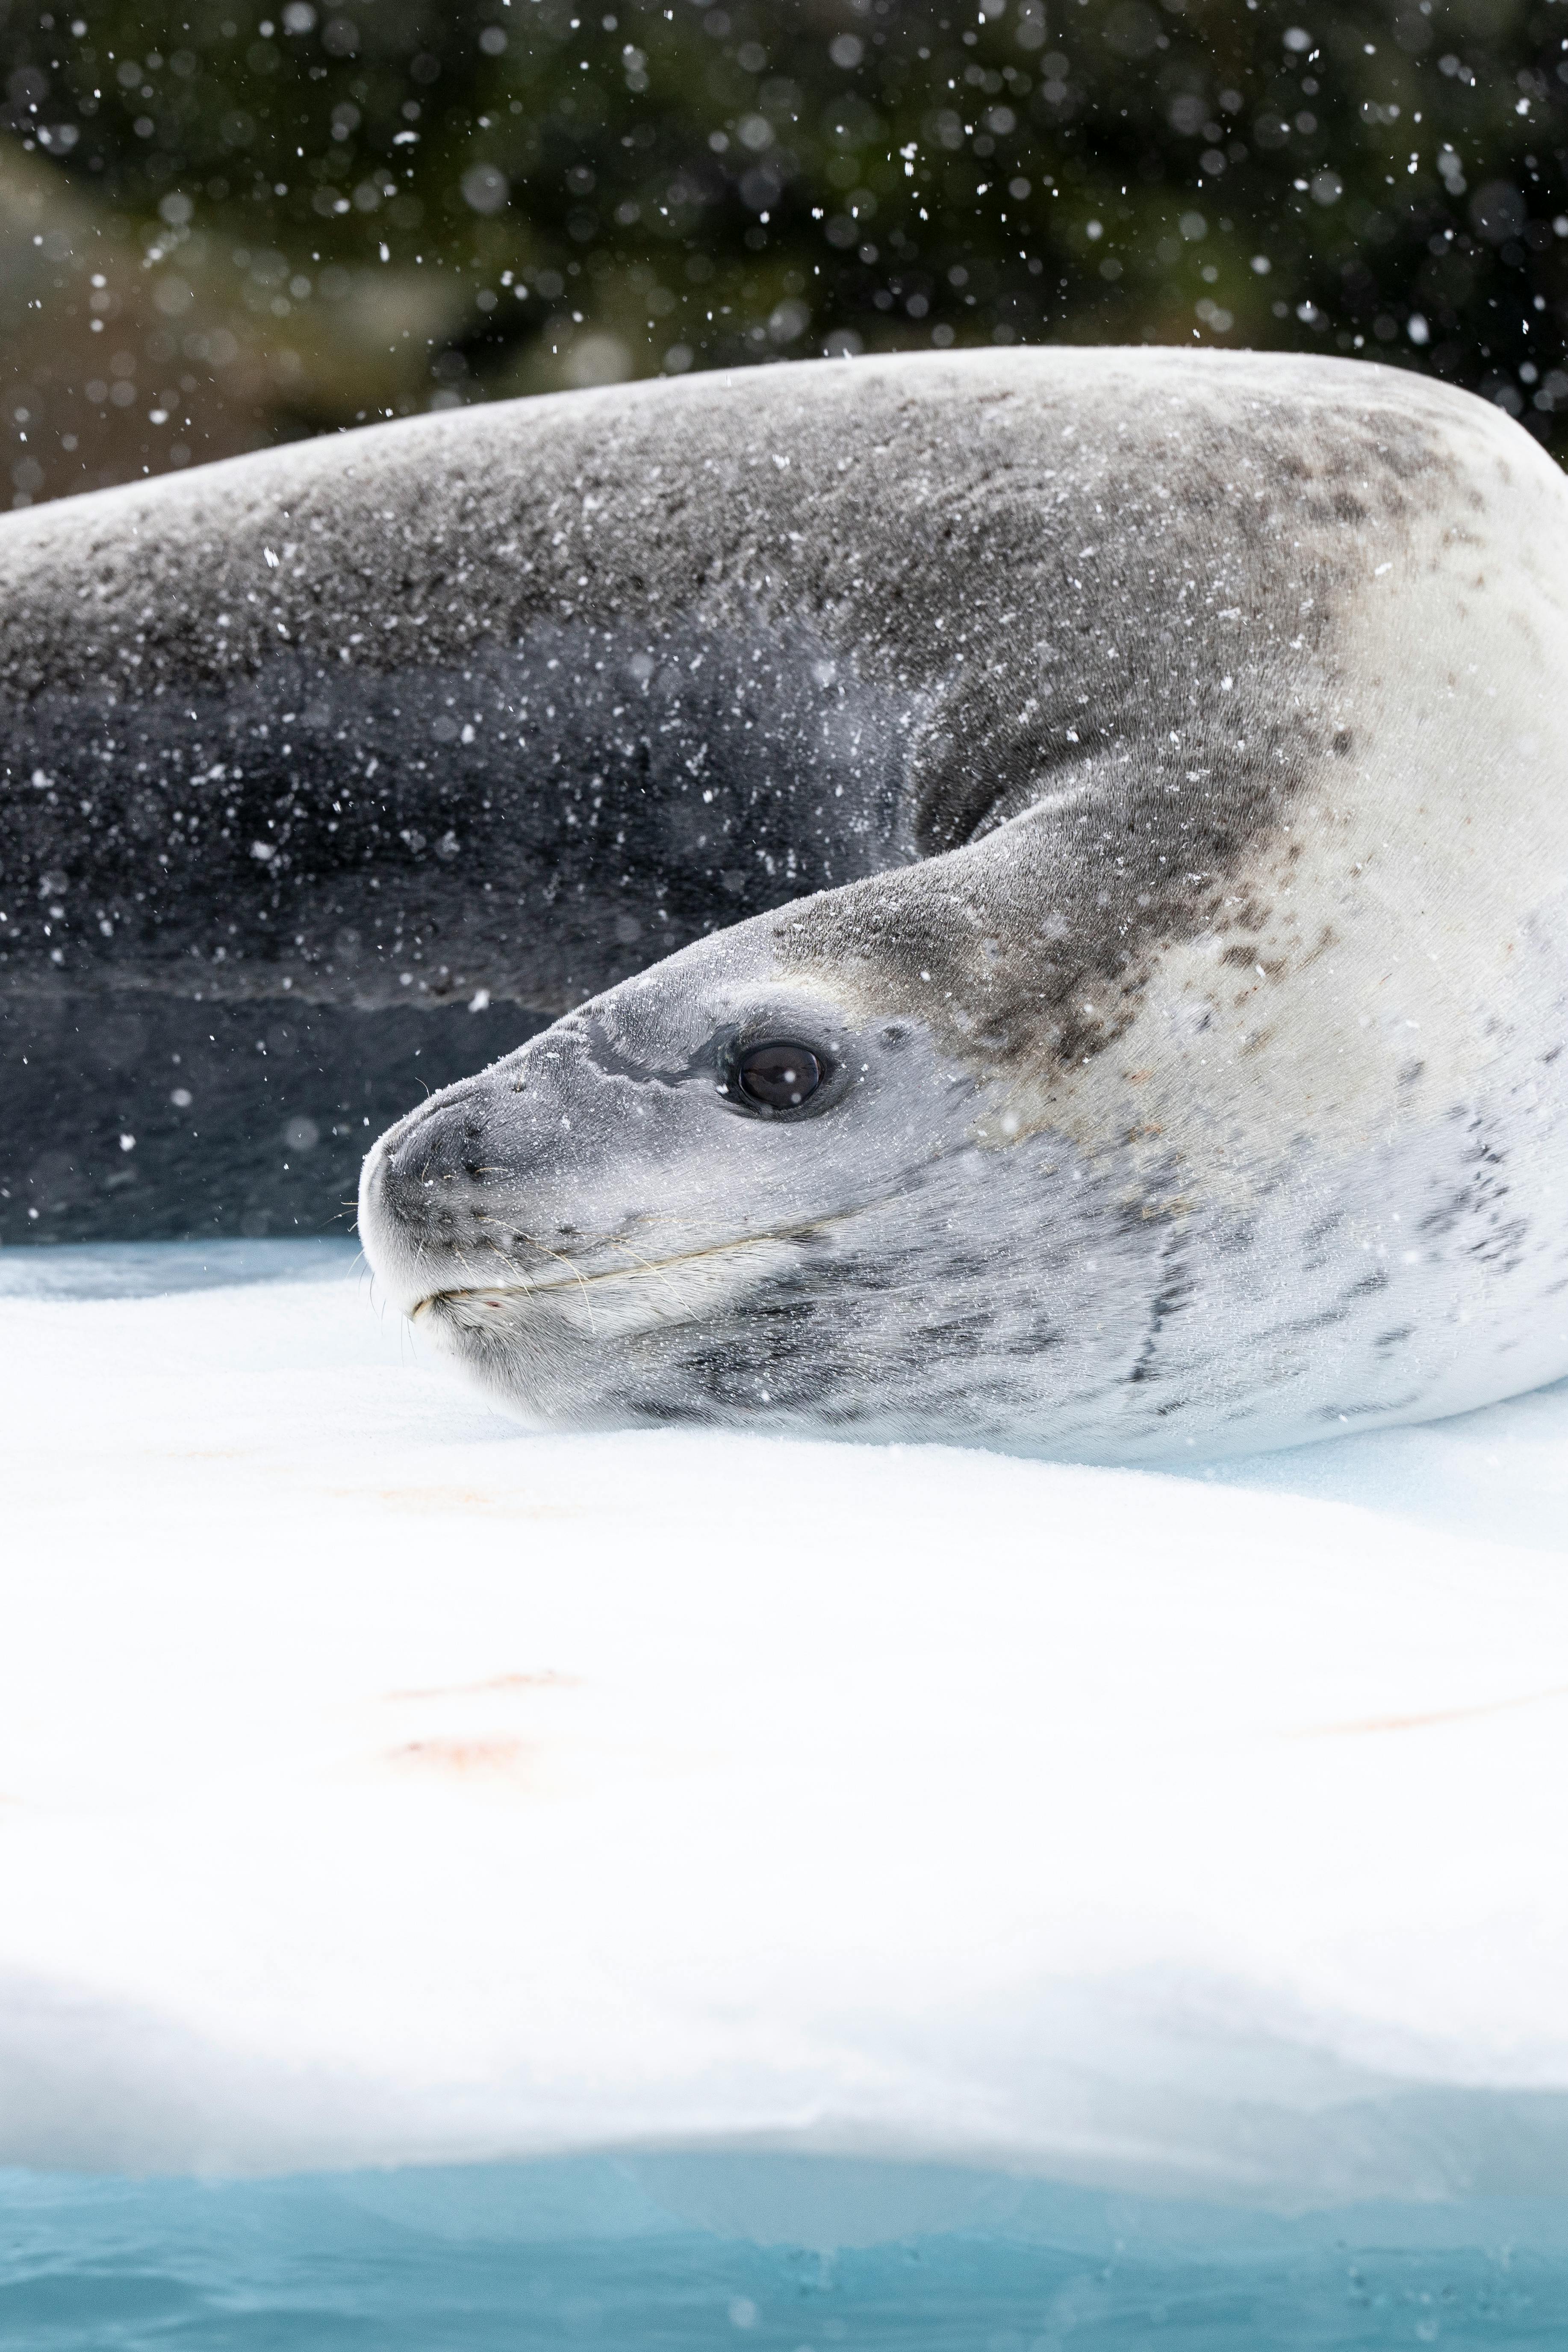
226 224
229 225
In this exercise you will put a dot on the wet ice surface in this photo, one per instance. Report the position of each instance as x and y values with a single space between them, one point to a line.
107 1270
380 1786
670 2253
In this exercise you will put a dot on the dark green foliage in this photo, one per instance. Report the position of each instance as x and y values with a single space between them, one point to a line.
607 193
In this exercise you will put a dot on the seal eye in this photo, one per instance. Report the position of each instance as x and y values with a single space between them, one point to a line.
780 1077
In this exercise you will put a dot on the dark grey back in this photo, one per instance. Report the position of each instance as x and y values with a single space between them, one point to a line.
493 709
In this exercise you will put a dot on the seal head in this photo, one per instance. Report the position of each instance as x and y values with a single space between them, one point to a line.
706 1195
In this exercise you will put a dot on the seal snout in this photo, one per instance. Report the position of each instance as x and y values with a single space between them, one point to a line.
423 1214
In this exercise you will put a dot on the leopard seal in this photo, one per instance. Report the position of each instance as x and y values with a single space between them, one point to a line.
1187 1074
1038 875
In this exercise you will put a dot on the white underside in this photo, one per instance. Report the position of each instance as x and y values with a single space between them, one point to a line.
376 1783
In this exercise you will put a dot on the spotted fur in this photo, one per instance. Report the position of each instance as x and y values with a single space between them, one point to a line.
1205 1041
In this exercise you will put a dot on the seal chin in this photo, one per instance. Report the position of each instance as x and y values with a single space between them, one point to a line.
508 1345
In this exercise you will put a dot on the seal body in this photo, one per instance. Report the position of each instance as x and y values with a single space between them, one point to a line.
1132 780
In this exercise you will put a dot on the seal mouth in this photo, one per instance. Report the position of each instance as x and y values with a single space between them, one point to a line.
499 1294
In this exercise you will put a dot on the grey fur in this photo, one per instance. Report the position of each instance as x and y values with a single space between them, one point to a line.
829 573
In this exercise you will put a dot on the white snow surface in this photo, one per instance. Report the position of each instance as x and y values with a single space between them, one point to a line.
378 1783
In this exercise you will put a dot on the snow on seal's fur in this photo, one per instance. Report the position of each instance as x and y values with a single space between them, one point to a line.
1193 1068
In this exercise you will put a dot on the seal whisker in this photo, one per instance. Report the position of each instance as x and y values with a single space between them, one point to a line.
722 1248
649 1266
545 1252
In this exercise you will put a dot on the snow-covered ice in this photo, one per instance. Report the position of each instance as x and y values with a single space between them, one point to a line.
379 1784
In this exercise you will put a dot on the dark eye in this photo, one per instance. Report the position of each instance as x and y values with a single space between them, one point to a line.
781 1076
